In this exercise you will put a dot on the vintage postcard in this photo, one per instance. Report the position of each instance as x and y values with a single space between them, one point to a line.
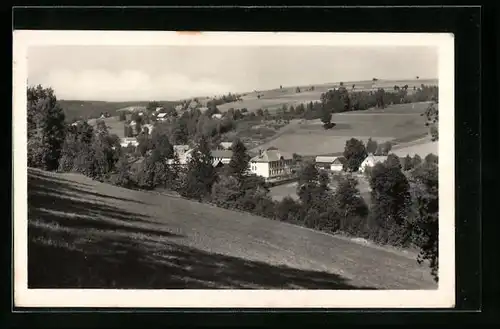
228 169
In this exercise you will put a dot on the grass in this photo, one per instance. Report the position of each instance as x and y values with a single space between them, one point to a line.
401 123
86 234
77 109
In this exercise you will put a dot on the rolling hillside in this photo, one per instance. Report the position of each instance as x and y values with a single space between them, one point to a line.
88 234
400 123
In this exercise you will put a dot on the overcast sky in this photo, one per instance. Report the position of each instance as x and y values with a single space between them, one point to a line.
120 73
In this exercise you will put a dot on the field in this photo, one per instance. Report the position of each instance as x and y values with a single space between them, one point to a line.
422 149
400 122
80 110
86 234
115 126
276 98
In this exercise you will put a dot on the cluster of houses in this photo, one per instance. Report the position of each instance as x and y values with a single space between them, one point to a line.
337 163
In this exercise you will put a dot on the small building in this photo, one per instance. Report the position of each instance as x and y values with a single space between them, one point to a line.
272 163
183 153
371 161
150 128
125 142
161 116
217 116
158 109
222 156
332 163
225 145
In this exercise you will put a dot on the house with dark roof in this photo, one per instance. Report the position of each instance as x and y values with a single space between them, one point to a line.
272 163
221 157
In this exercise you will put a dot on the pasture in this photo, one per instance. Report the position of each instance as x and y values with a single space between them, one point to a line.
115 126
86 234
275 98
400 123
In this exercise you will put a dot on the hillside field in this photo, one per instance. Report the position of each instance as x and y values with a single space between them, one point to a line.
84 110
276 98
400 123
86 234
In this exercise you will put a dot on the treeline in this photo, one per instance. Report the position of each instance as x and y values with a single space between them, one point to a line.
403 209
229 98
342 100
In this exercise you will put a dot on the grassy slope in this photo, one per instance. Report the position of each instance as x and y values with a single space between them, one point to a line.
88 234
75 109
401 122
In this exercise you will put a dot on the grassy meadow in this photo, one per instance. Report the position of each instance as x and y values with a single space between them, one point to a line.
86 234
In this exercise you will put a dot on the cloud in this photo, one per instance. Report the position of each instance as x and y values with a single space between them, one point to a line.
128 85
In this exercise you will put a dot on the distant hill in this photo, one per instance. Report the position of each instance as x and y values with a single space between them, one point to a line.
76 109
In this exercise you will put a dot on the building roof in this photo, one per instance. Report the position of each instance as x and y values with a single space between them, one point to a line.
272 154
221 154
226 145
158 109
376 158
161 115
217 115
325 159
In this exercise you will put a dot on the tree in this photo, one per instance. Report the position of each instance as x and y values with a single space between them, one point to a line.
260 113
144 144
326 117
122 116
417 160
288 210
350 204
390 203
393 161
200 174
238 166
226 192
431 158
371 146
121 175
386 148
408 163
297 90
46 128
427 223
354 153
152 106
432 116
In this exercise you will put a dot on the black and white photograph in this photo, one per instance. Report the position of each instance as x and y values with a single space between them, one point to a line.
228 169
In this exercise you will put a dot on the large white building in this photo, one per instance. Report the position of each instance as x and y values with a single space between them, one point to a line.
272 163
371 161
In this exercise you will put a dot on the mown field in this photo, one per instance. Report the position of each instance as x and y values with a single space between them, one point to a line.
86 234
401 122
115 126
276 98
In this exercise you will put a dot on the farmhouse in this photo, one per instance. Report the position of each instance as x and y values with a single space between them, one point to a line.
271 164
225 145
333 163
161 116
221 157
150 128
124 142
183 153
371 161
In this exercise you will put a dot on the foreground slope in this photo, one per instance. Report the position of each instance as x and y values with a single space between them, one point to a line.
84 233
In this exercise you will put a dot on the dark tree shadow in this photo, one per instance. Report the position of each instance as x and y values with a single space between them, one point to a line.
124 264
74 243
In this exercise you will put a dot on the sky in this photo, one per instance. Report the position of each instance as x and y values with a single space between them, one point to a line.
143 73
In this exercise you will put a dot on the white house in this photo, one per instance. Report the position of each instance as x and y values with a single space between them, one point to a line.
124 142
271 163
183 153
371 161
149 126
221 157
333 163
161 116
217 116
158 109
225 145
